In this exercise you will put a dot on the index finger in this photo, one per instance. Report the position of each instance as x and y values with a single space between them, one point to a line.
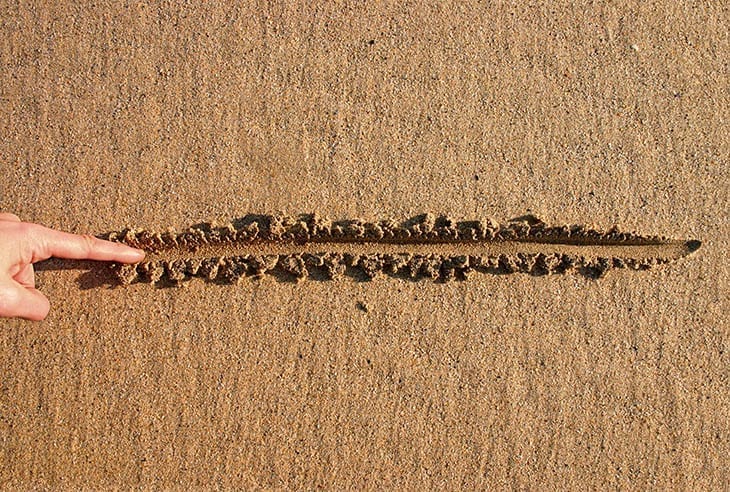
49 242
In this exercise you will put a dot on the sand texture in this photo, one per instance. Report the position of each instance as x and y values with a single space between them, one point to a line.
433 138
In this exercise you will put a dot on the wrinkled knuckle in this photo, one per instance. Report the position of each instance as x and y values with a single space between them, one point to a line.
26 229
89 242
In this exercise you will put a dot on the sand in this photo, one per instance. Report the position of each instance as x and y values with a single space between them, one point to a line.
162 117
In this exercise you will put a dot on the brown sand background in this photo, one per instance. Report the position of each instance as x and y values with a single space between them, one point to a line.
165 116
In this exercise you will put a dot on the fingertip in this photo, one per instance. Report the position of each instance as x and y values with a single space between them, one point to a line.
41 310
38 306
133 255
22 302
114 251
7 216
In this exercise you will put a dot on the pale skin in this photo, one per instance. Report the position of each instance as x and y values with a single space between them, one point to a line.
22 244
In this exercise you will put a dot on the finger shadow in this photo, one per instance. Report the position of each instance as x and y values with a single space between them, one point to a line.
94 274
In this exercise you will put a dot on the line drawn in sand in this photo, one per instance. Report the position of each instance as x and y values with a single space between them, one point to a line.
424 246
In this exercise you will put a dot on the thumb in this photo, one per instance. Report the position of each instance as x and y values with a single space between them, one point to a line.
22 302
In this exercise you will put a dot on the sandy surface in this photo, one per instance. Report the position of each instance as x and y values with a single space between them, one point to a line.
163 117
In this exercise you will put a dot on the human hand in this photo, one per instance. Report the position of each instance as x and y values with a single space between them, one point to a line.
22 244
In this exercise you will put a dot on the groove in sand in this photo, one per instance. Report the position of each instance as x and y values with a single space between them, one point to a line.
669 249
424 246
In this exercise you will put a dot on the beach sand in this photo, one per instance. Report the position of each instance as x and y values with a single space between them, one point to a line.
159 118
